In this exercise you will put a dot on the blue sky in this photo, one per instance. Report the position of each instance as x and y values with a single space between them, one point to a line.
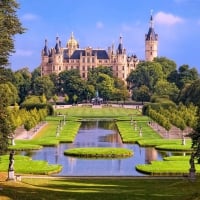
100 23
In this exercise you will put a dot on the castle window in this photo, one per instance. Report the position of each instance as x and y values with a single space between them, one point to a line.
122 67
83 75
93 60
59 68
151 53
83 67
83 60
88 60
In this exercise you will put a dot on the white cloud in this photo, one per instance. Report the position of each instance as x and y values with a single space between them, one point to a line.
167 19
99 25
21 52
29 17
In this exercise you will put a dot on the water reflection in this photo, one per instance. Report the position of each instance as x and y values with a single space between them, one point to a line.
97 134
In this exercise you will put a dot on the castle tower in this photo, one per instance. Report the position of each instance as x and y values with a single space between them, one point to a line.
151 42
72 45
45 58
57 56
121 61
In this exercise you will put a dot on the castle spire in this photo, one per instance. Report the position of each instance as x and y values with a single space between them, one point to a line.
120 46
57 47
45 48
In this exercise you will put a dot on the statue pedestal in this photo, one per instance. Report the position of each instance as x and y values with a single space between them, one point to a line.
11 175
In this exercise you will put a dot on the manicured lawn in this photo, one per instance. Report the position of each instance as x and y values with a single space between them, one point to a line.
110 112
98 152
24 165
98 189
168 166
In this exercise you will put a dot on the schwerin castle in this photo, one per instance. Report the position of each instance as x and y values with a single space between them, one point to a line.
58 59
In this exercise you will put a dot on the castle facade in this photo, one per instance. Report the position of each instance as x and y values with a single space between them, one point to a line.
58 58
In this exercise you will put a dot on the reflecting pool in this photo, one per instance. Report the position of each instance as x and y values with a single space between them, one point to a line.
97 134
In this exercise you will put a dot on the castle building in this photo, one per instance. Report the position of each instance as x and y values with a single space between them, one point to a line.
58 59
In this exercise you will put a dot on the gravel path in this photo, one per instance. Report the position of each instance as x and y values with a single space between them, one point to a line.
22 134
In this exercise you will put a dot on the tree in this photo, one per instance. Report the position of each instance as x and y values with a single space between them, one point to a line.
195 136
6 75
23 82
66 98
163 87
191 93
9 26
44 85
72 83
94 73
167 65
141 94
8 94
105 86
183 76
75 97
146 73
55 99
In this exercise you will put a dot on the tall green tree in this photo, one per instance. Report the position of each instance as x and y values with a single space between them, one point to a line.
10 25
147 73
191 93
43 85
72 83
163 87
167 65
183 76
23 82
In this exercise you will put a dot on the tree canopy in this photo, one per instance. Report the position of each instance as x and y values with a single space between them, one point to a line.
9 26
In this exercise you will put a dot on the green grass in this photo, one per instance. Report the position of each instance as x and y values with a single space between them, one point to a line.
98 152
130 135
85 112
98 189
23 164
168 166
47 136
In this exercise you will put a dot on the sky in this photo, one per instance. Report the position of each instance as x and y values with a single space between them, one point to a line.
100 23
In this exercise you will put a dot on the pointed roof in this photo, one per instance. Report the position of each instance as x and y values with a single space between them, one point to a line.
151 35
57 47
46 51
120 46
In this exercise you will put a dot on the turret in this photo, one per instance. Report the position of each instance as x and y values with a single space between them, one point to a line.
120 46
57 47
151 42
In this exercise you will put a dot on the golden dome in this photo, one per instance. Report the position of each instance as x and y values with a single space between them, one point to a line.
72 42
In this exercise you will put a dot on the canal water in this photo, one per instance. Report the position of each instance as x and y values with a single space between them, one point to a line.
97 134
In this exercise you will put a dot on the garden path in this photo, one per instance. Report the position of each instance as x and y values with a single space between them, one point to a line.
23 134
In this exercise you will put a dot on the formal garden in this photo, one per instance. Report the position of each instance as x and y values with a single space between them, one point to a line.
133 127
